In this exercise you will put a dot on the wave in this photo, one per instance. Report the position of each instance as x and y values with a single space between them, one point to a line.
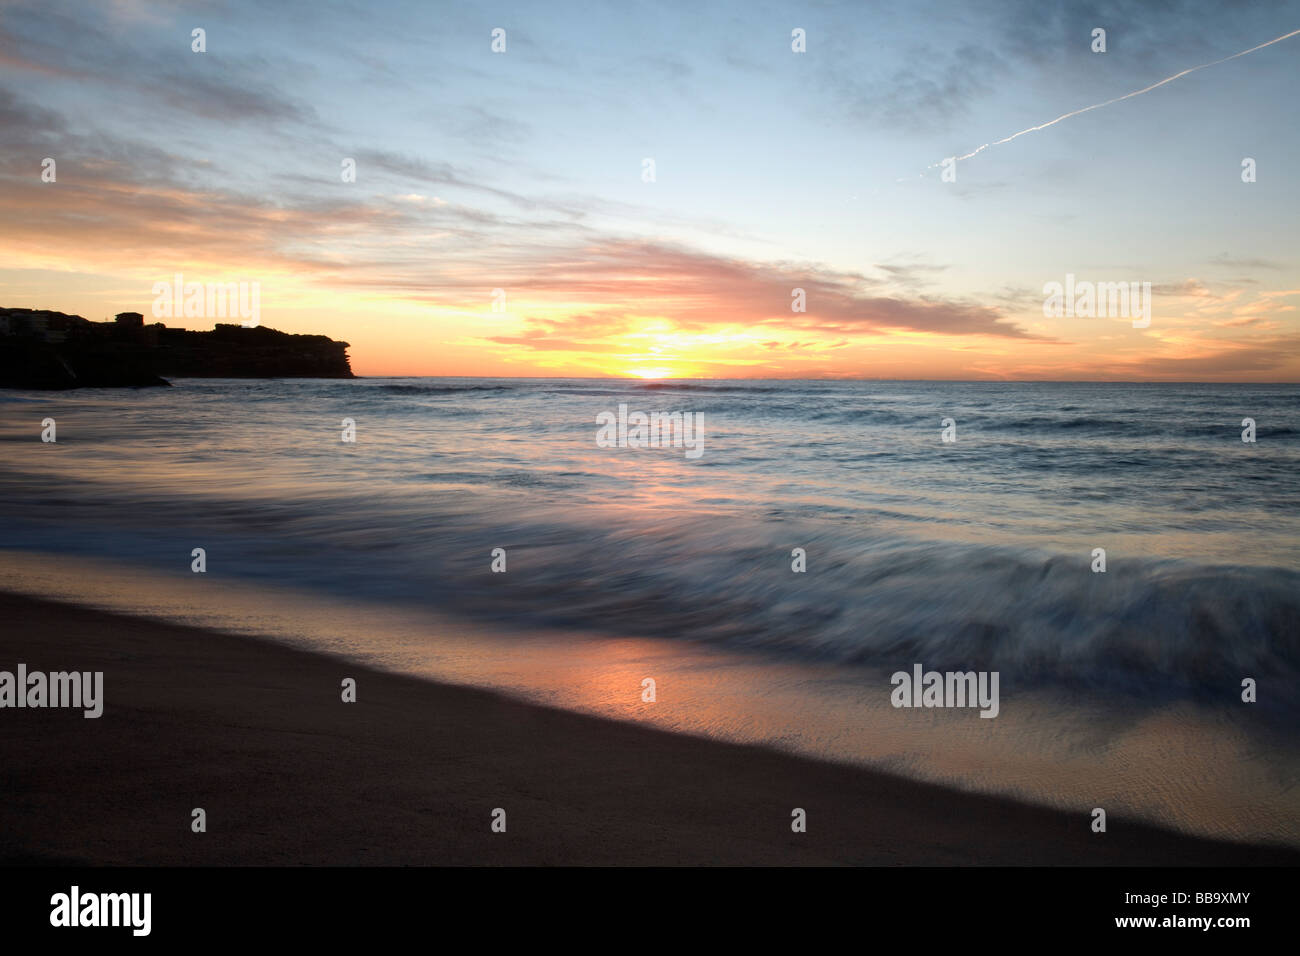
657 546
1143 627
437 389
688 387
1047 424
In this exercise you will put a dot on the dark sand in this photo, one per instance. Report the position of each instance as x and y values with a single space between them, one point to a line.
256 734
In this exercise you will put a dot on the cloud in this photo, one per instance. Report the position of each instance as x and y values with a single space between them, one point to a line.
1260 355
924 96
118 206
68 43
1193 288
1223 259
698 292
911 275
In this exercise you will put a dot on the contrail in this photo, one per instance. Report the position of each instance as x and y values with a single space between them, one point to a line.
1097 106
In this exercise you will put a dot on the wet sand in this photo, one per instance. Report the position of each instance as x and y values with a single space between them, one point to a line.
257 735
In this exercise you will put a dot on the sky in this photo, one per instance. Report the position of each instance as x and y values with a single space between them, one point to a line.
502 221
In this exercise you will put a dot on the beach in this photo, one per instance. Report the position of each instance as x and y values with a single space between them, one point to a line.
475 540
257 735
648 437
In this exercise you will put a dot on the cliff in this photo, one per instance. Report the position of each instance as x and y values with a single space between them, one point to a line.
41 349
230 351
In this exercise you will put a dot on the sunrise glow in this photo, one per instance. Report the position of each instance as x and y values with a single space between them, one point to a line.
486 237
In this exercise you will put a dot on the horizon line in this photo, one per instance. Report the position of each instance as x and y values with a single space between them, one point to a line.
964 381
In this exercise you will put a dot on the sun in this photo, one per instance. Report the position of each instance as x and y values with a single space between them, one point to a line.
651 372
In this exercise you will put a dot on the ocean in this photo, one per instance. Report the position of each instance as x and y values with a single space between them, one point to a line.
625 562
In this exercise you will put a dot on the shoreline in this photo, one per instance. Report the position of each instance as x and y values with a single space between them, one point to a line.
256 734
